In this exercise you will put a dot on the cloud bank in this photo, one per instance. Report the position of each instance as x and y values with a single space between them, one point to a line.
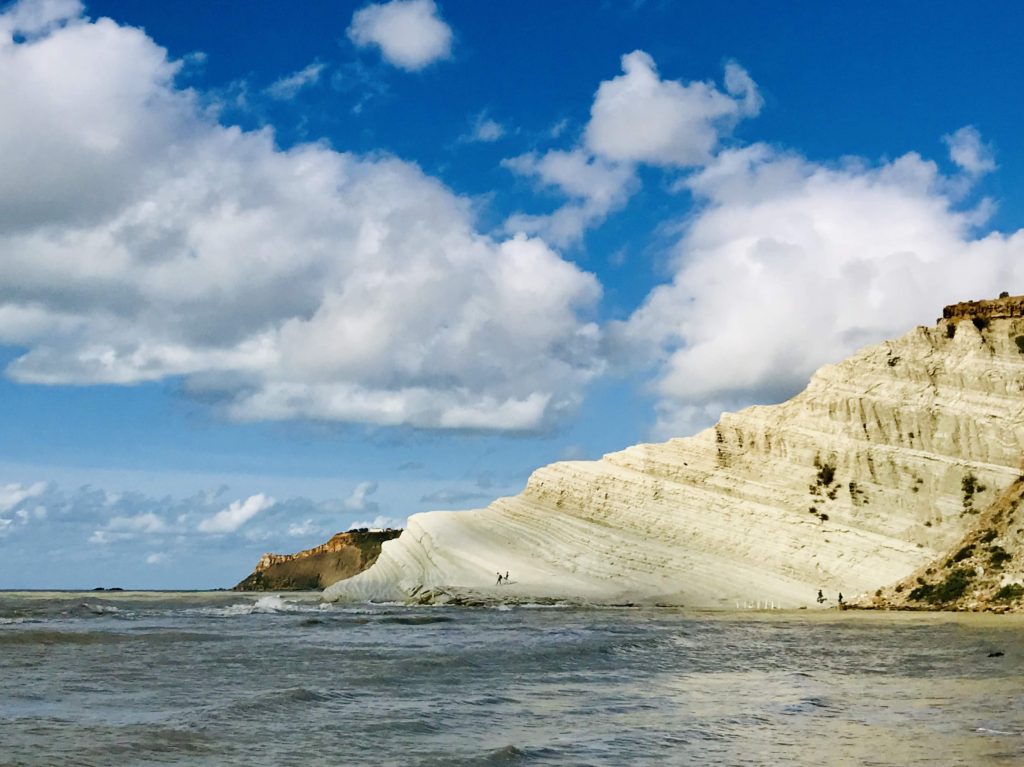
140 240
788 264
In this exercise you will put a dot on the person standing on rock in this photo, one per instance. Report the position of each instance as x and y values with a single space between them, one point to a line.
506 577
499 579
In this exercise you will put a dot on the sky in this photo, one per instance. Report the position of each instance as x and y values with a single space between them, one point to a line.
271 271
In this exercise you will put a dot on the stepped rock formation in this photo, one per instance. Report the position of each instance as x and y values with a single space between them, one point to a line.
344 555
875 470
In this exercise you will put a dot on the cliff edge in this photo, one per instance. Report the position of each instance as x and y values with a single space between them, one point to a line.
877 470
344 555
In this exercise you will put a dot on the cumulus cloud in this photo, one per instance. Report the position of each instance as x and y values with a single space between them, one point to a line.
14 494
288 87
141 240
409 33
595 188
228 520
30 18
967 151
156 558
359 500
638 117
379 523
788 264
485 130
147 522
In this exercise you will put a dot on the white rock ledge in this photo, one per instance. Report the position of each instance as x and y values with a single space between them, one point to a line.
724 519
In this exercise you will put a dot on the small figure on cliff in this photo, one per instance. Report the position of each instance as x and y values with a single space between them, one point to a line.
499 579
821 597
506 577
840 600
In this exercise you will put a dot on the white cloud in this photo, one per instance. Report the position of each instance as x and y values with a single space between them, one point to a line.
359 500
288 87
156 558
379 523
14 494
635 118
147 522
969 153
140 240
638 117
409 33
31 18
228 520
594 186
485 129
789 264
303 529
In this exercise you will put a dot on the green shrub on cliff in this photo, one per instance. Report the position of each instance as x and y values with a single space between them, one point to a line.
1010 591
952 588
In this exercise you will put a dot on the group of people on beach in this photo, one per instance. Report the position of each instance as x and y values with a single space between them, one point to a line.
503 578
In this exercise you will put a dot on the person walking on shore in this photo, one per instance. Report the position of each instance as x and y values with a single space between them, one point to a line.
499 579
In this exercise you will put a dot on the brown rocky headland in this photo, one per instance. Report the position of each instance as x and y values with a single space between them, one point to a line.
344 555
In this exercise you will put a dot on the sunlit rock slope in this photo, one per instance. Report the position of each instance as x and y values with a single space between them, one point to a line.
344 555
875 470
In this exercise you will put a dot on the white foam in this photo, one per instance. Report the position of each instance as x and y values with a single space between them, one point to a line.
100 609
272 604
987 731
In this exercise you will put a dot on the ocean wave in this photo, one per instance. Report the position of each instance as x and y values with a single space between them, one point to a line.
987 731
268 605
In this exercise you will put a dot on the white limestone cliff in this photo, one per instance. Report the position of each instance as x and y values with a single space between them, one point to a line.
874 470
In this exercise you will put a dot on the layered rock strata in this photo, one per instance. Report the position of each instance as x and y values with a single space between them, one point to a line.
875 470
344 555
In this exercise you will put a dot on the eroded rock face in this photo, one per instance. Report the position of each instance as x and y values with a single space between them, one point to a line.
851 485
344 555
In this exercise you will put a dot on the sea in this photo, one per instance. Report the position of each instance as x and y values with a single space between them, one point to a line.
222 678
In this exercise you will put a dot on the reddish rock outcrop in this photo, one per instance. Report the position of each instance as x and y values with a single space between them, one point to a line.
344 555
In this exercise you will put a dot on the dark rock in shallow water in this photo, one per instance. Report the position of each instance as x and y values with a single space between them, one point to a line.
345 555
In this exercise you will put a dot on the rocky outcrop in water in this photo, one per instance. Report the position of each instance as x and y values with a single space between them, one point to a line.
344 555
878 469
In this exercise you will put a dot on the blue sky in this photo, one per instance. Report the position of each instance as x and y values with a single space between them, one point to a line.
266 274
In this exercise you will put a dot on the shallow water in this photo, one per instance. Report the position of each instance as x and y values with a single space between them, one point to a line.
231 679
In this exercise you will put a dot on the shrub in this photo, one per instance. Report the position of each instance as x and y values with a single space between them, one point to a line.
999 557
952 588
826 474
965 552
980 322
1010 591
